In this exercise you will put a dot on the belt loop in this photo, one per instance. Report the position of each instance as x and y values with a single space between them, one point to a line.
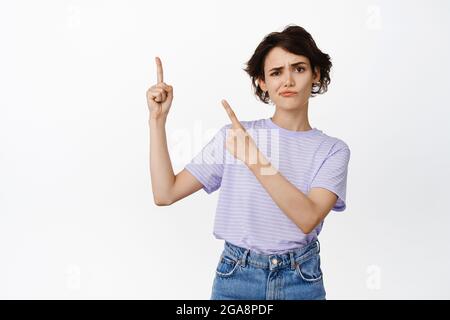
318 246
244 258
291 254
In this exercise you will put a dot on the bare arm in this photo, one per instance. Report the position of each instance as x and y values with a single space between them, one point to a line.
185 185
166 187
161 170
306 211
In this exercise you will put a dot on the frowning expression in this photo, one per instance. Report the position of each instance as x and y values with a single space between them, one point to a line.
288 78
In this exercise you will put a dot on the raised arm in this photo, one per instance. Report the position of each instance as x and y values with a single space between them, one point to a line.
166 187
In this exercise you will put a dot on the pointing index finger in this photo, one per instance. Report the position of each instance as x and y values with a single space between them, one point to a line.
234 120
159 70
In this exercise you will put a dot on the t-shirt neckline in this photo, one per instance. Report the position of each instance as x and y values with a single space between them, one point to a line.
273 125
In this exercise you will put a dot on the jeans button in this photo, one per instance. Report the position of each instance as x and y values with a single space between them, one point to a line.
274 261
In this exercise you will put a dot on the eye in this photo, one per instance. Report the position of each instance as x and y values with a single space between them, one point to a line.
301 68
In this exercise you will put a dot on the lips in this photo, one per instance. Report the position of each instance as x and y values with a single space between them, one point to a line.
288 94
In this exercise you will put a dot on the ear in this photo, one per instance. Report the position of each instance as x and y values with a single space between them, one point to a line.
262 85
316 77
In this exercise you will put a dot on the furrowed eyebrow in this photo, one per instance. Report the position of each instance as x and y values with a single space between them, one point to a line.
293 64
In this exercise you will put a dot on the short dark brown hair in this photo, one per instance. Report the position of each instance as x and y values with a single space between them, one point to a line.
298 41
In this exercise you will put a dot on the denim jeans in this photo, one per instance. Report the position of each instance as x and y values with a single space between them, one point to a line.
243 274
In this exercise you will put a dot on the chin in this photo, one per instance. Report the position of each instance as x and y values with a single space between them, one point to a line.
292 105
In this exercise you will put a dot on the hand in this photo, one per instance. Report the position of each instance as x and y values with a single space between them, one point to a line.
160 95
239 142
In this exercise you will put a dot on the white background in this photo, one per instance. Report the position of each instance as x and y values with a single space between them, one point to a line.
77 218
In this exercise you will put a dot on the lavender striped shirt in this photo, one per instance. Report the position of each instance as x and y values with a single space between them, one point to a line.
246 215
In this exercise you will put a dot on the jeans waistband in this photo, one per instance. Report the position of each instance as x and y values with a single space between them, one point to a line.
271 261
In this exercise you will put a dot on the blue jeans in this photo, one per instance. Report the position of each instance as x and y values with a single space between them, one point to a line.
243 274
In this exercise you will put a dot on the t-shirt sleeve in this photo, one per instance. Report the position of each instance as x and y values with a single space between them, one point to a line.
332 175
207 166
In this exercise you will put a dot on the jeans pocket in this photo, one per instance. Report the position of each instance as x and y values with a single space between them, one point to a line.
227 266
309 269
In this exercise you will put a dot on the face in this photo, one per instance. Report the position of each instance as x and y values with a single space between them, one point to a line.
297 78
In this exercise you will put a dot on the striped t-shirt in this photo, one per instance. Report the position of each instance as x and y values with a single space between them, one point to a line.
246 215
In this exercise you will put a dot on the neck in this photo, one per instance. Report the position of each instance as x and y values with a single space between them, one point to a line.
295 120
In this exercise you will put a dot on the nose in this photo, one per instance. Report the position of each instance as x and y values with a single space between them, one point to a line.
289 81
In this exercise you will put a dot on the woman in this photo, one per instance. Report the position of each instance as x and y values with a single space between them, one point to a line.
278 176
